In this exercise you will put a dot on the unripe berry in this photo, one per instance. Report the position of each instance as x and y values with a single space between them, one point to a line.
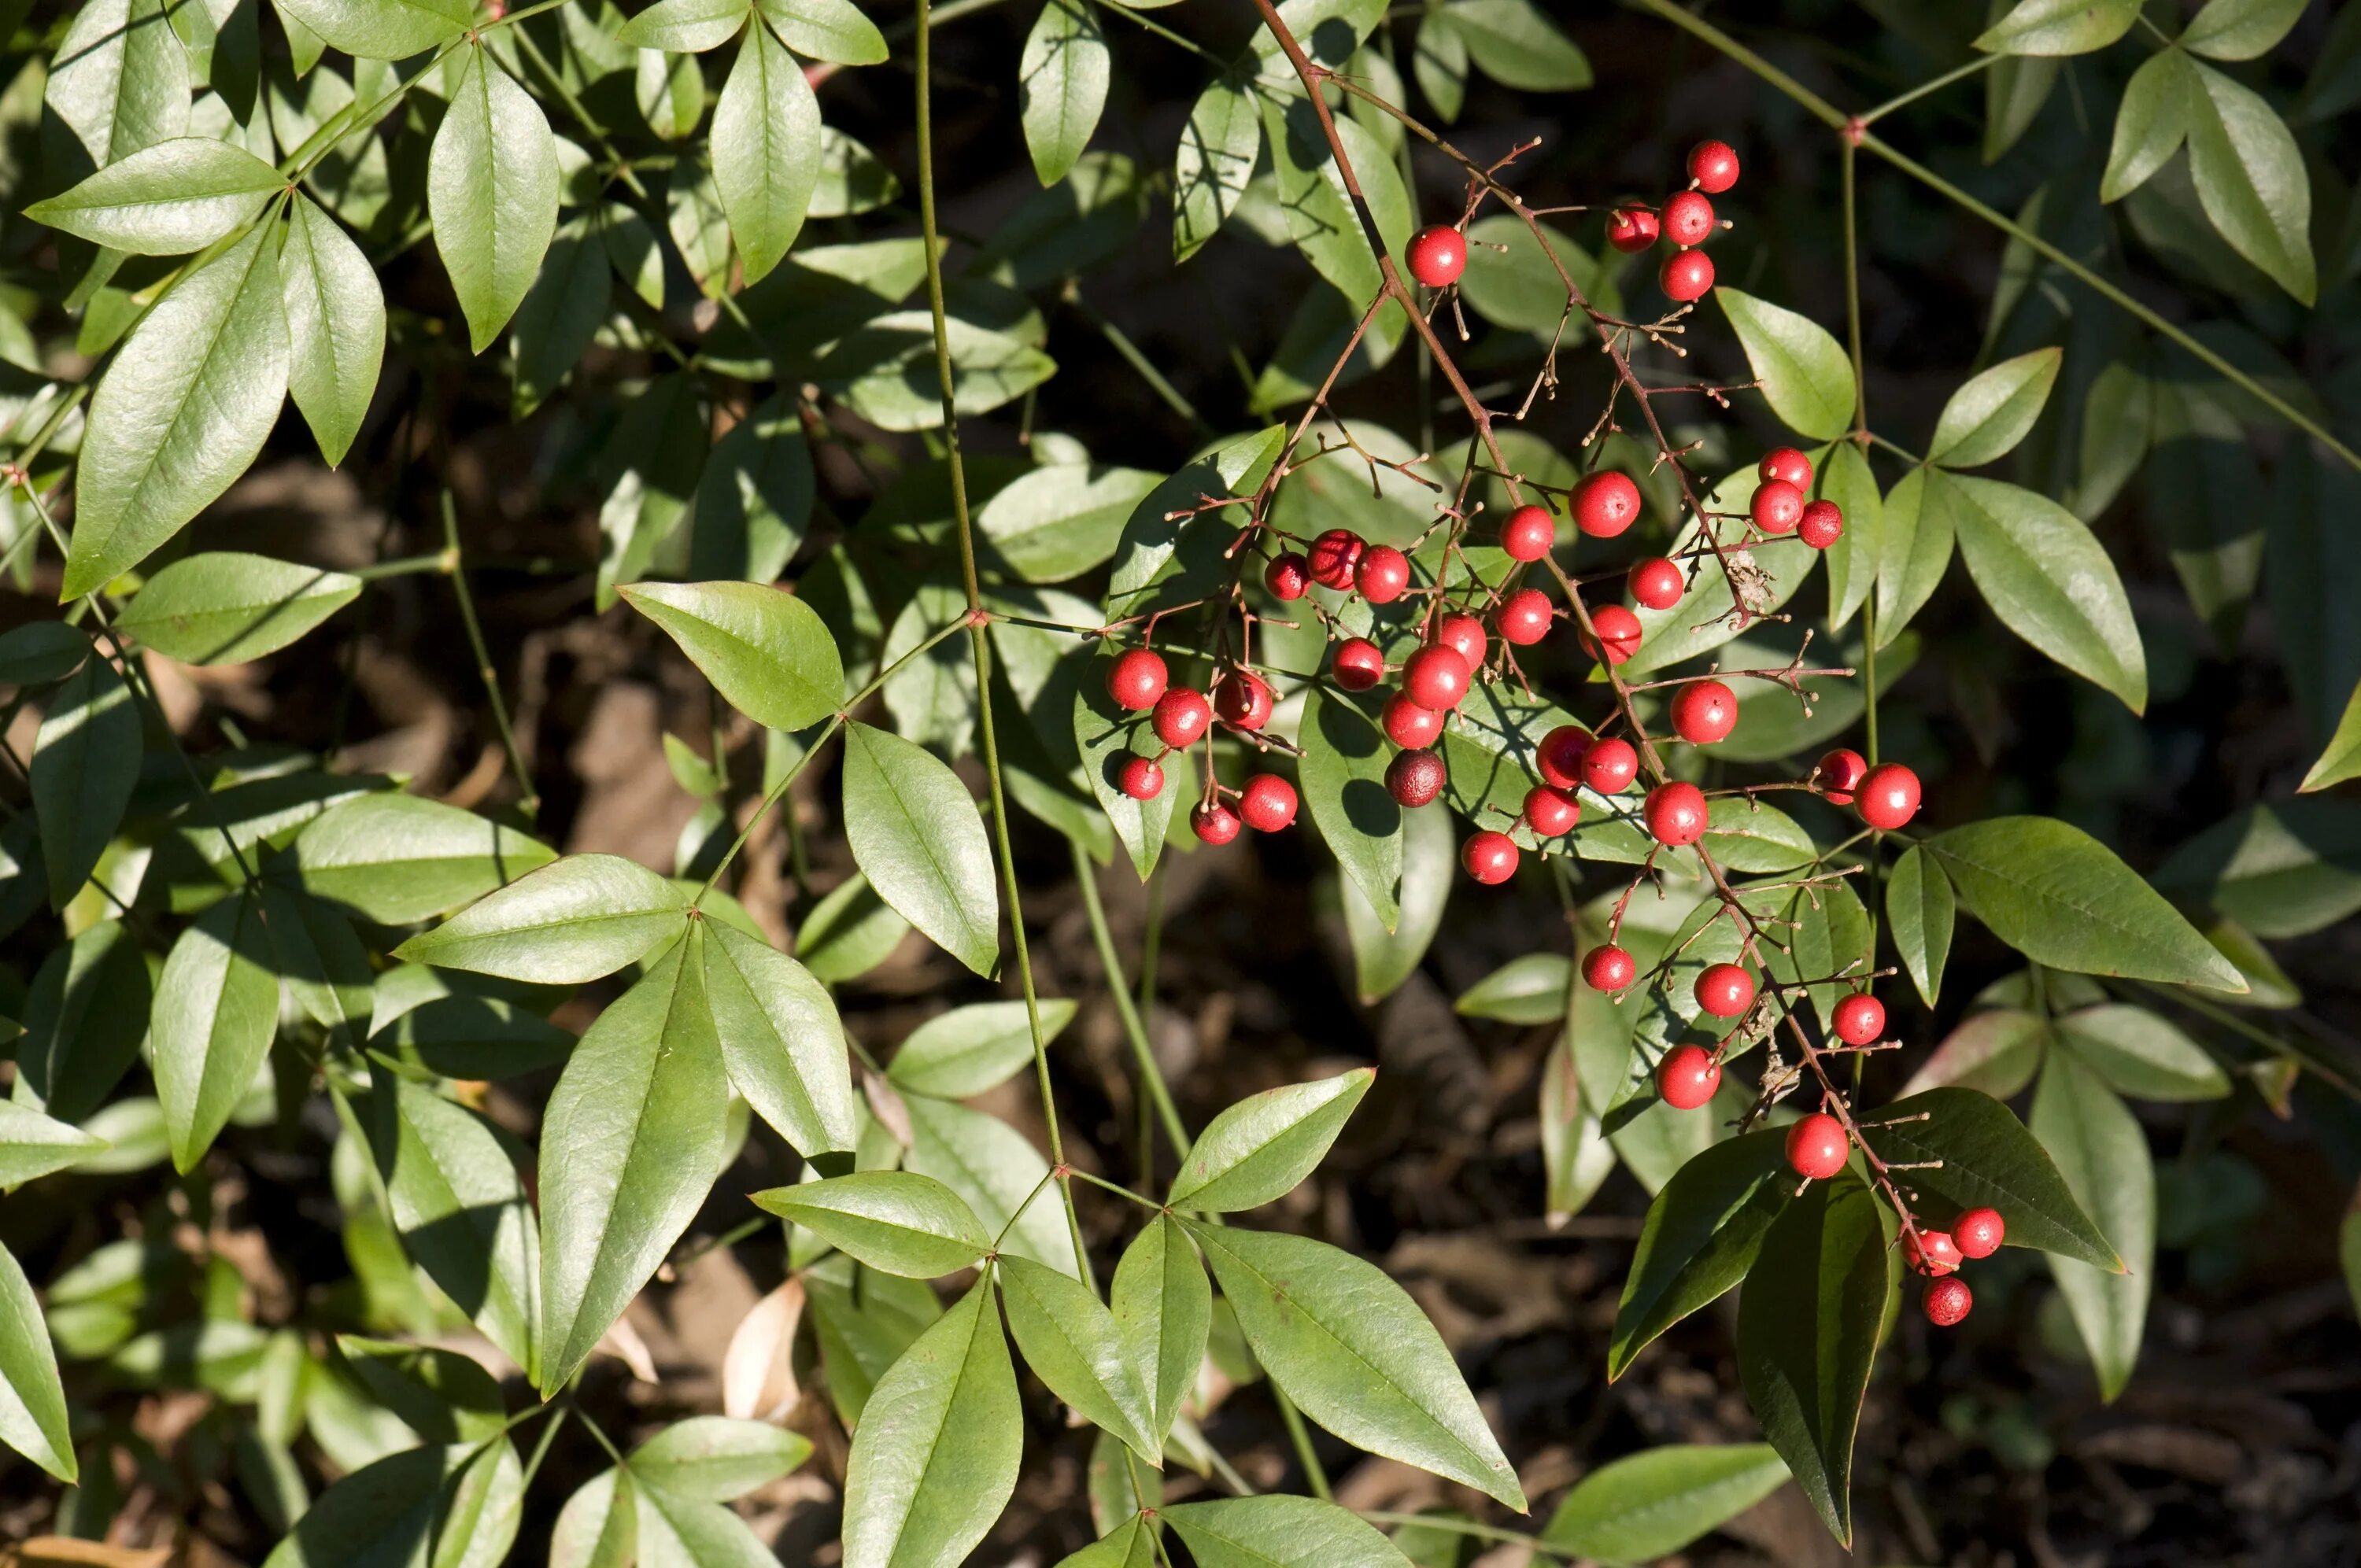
1979 1233
1687 1077
1288 576
1841 771
1135 679
1631 229
1610 765
1528 533
1656 583
1889 796
1523 617
1141 779
1705 712
1725 989
1609 968
1334 555
1490 858
1213 822
1243 699
1381 574
1358 664
1676 813
1618 632
1435 678
1948 1301
1605 504
1559 756
1551 812
1687 277
1931 1252
1777 506
1816 1147
1464 635
1860 1019
1409 725
1785 462
1688 218
1822 525
1438 255
1181 717
1268 803
1414 778
1713 166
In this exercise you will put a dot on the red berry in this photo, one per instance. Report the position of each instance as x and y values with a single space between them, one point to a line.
1407 724
1551 812
1688 218
1610 765
1609 968
1777 506
1657 583
1725 990
1704 712
1213 822
1889 796
1268 803
1860 1019
1288 576
1528 533
1334 555
1687 1077
1617 629
1841 771
1523 617
1135 679
1785 462
1435 678
1141 779
1183 716
1687 275
1713 166
1605 504
1490 858
1559 756
1931 1252
1414 778
1243 699
1382 574
1948 1301
1631 229
1823 524
1464 634
1358 664
1816 1146
1438 255
1979 1233
1676 813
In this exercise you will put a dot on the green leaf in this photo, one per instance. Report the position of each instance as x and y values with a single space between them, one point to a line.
960 1054
652 459
2150 124
1219 148
599 1525
1701 1237
1515 43
1651 1505
1920 533
998 1173
2060 27
782 1042
1439 63
1807 1329
2342 759
2279 867
686 27
184 407
766 152
1987 1159
849 933
893 1220
335 327
225 607
1343 772
382 29
1987 417
2103 1155
1320 215
935 1458
119 79
1075 1347
168 199
862 1321
826 29
32 1400
1279 1532
1163 1307
2048 581
1104 734
1258 1149
216 1010
1061 82
1060 521
1528 990
915 833
1996 1051
1350 1348
2061 898
2240 30
441 1395
632 1140
84 1020
884 370
2141 1054
40 651
765 650
713 1459
1845 479
1151 539
85 762
675 1530
436 1507
754 499
396 858
2251 181
573 921
32 1145
1383 960
1919 908
562 312
492 191
1804 373
1131 1545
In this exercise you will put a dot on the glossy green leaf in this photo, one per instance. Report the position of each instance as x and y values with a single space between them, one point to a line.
2060 27
2103 1155
492 190
84 1020
436 1507
1383 960
826 29
571 922
1516 44
1163 1307
1060 520
962 1053
1701 1237
2240 30
119 80
1258 1149
894 1220
1651 1505
1996 1052
1804 373
1985 418
2280 868
766 152
686 27
85 762
2342 758
1219 147
1919 909
1075 1345
782 1042
1279 1532
32 1401
2142 1054
2251 179
167 199
472 1037
915 833
217 1010
1700 621
599 1527
226 607
396 858
2048 580
713 1459
1527 990
32 1145
335 327
2150 124
885 371
1986 1159
863 1321
1061 83
1513 280
382 29
1151 539
1343 772
1920 535
441 1395
765 650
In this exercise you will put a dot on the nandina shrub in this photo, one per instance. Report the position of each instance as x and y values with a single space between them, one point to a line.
367 1114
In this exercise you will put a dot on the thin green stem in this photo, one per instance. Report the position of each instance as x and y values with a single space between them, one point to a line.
1151 1204
531 801
1895 447
405 566
1135 1031
1120 341
1981 63
557 1414
1151 946
1161 31
1001 1240
1301 1436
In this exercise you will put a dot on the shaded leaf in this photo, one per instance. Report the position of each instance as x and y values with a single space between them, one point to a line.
1653 1503
217 1010
1701 1237
1987 1159
1919 908
962 1053
2103 1155
396 858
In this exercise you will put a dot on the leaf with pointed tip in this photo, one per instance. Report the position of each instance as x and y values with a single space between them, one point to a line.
915 831
765 650
2251 179
2049 580
1994 410
85 762
1219 148
383 30
167 199
1920 535
766 150
2142 1054
1343 772
2240 30
997 1171
226 607
84 1020
441 1395
2150 124
893 1220
1061 82
1258 1149
713 1459
686 27
1164 1307
492 191
781 1041
397 858
826 29
1280 1532
1977 1155
2341 760
1996 1051
573 921
1132 1544
1104 734
755 497
32 1145
1919 909
216 1012
1075 1345
32 1400
2060 27
40 651
2103 1155
1805 376
1651 1505
599 1527
335 327
2281 868
960 1054
119 79
1701 1237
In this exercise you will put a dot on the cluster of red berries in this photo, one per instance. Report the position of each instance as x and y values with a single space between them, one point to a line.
1179 718
1780 504
1818 1148
1689 1075
1685 218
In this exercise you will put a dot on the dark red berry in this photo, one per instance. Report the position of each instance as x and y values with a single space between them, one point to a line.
1464 634
1725 989
1243 699
1822 524
1382 574
1786 464
1552 812
1183 716
1268 803
1931 1252
1435 678
1619 629
1676 813
1657 583
1688 218
1135 679
1631 229
1777 506
1889 796
1816 1146
1213 822
1705 712
1687 1077
1841 771
1438 255
1610 765
1407 724
1609 968
1358 664
1860 1019
1334 555
1490 858
1523 617
1687 277
1713 166
1414 778
1288 576
1948 1301
1141 779
1979 1233
1605 504
1528 533
1559 756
